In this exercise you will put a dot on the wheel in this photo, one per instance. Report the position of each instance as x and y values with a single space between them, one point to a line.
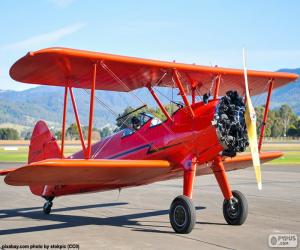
182 214
235 211
47 207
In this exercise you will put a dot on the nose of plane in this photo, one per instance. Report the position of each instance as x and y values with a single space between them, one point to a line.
230 124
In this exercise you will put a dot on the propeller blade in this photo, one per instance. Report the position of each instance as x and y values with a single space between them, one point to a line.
250 119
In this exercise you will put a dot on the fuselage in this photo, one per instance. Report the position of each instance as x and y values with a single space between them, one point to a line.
169 140
185 136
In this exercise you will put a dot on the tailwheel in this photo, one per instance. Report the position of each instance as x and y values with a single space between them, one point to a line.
48 205
235 210
182 214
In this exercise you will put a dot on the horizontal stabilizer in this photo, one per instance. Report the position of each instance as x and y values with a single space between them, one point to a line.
75 172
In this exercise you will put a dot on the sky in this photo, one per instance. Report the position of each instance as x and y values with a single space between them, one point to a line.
202 32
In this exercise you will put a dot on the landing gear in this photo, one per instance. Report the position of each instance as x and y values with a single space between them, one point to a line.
235 206
235 210
182 211
48 205
182 214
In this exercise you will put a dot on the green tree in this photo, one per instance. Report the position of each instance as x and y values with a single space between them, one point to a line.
295 125
104 132
72 132
85 130
277 127
292 131
95 133
288 117
57 135
171 108
27 136
9 134
278 122
124 122
259 114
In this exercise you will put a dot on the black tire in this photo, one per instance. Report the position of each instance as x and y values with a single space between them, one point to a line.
238 214
47 207
182 214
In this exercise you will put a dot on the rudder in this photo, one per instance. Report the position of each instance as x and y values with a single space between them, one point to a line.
42 146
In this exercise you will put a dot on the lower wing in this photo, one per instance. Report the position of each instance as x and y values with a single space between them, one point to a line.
112 172
76 172
240 162
6 171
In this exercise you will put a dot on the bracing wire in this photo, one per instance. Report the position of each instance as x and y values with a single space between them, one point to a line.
116 115
104 66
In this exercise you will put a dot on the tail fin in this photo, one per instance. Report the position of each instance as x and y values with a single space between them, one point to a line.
43 144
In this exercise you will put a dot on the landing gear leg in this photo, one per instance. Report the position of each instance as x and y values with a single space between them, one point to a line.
235 206
182 211
48 205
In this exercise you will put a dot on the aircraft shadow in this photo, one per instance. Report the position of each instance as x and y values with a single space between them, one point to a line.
68 221
211 223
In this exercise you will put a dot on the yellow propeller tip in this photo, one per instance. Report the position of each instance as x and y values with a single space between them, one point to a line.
259 185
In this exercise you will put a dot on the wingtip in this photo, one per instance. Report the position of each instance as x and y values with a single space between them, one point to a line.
259 185
6 171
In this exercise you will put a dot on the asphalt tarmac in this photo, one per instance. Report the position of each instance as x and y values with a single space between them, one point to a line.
138 217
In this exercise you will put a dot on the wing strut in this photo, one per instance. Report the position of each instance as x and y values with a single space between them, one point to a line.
89 146
267 106
182 92
63 130
77 120
193 95
86 149
163 109
216 93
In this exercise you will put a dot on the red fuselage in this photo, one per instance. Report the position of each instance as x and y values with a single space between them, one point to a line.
184 137
170 140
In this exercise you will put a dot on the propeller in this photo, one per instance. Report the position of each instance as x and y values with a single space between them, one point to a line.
250 119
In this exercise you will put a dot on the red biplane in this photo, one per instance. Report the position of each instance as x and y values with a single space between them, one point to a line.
201 137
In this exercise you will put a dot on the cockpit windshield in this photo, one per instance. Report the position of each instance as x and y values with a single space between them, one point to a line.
139 121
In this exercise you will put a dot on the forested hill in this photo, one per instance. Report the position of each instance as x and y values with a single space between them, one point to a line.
25 107
46 103
289 94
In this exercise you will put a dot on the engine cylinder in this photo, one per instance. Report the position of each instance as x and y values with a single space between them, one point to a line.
230 124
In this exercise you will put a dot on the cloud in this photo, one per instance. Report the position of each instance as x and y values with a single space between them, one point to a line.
61 3
46 38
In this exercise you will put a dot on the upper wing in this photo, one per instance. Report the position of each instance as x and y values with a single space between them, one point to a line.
61 66
67 171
